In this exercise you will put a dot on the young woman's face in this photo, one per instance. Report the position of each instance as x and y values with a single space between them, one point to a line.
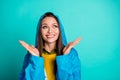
50 30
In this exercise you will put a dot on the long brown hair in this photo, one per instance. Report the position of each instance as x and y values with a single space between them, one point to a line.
39 39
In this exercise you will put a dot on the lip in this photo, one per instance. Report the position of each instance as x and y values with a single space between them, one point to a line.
50 36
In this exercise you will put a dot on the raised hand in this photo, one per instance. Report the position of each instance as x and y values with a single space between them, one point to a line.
70 45
34 51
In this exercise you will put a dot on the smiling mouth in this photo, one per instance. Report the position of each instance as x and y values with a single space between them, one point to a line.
50 36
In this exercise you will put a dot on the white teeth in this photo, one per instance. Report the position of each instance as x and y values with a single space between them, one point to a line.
50 36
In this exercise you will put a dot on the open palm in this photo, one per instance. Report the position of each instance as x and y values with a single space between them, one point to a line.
34 51
70 45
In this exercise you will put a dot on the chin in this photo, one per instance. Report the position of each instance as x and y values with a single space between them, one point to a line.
51 40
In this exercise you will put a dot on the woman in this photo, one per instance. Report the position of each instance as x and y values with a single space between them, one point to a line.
52 58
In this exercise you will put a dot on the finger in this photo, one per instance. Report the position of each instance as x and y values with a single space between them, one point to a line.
32 46
31 49
24 44
76 41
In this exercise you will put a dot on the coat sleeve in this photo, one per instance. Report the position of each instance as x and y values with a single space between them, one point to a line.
68 66
33 68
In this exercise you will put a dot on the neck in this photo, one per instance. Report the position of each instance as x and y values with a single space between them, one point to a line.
49 47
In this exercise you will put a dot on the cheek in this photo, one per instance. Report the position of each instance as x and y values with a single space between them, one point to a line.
43 33
57 31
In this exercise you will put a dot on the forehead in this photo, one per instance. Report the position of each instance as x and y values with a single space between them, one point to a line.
49 20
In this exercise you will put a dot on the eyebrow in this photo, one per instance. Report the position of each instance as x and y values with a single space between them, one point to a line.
52 24
44 24
55 23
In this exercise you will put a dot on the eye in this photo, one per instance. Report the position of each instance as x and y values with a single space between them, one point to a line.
55 26
44 27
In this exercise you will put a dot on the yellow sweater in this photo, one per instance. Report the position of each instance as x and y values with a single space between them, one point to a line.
49 64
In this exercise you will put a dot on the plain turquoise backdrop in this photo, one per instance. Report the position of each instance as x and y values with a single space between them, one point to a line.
97 21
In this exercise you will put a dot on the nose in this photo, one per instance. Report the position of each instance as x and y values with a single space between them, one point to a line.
50 30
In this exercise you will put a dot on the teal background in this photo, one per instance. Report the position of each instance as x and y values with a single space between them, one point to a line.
97 21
